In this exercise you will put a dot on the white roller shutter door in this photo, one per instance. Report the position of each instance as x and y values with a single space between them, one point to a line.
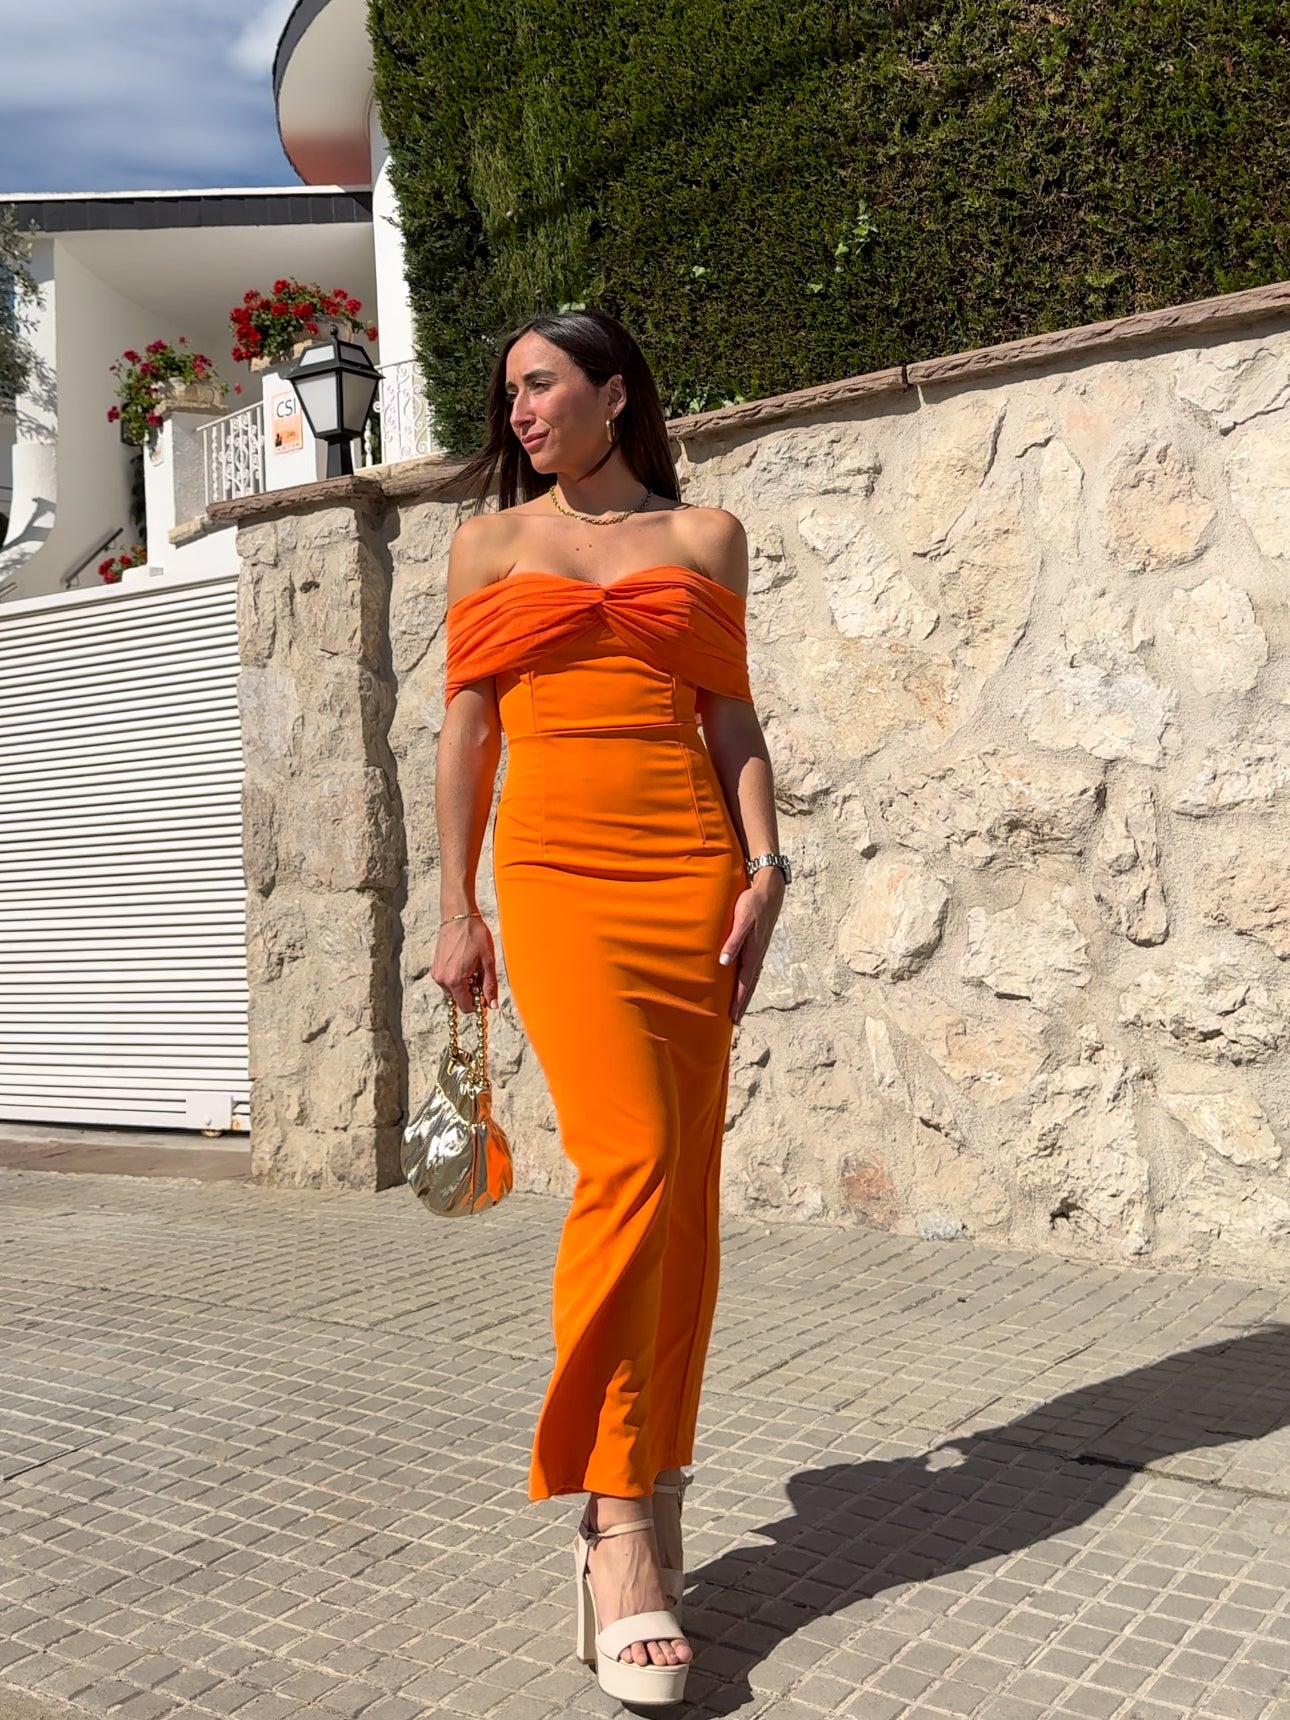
122 922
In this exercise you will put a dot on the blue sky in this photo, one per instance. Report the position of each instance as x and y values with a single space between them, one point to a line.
114 95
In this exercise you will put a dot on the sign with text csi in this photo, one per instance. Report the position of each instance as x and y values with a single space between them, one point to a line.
292 455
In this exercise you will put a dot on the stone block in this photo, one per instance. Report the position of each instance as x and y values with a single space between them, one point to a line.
1245 886
345 831
1250 767
277 936
359 1157
807 459
957 440
1220 645
263 589
271 719
1155 515
1213 1005
992 1061
994 807
339 601
1228 1120
1233 381
417 605
1034 949
1113 710
895 924
260 858
1080 1164
353 1080
1258 471
350 939
869 597
1126 865
347 715
987 569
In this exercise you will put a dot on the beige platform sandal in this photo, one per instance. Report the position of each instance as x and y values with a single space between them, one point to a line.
673 1579
642 1686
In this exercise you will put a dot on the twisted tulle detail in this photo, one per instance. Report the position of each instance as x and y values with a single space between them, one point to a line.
676 619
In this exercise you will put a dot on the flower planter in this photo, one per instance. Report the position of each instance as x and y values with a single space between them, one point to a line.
191 396
156 381
272 329
258 366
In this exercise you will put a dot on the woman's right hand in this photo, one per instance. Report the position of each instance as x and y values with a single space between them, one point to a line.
465 948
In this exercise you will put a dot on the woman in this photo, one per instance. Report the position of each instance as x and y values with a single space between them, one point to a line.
597 621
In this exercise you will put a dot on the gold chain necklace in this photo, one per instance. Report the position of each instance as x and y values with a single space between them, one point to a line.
604 519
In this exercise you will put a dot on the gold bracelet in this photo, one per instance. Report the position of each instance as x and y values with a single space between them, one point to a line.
470 914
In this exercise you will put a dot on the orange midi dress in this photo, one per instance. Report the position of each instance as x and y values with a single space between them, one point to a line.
617 868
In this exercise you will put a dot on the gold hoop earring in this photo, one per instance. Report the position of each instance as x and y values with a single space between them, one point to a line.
609 430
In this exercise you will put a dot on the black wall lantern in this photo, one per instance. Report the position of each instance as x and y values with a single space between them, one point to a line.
336 383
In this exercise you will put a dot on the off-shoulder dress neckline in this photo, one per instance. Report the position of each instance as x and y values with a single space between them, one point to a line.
594 585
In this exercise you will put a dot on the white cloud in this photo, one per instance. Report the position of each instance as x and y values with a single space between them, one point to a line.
253 50
139 94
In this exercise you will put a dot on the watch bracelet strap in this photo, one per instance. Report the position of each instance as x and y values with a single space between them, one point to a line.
755 862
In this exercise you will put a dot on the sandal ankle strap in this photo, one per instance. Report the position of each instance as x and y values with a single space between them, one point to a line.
592 1536
674 1489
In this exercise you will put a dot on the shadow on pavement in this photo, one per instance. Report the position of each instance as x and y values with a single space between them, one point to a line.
858 1529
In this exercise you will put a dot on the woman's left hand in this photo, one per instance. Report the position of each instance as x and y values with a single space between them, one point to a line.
756 910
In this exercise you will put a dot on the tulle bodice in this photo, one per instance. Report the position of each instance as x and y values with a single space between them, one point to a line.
678 621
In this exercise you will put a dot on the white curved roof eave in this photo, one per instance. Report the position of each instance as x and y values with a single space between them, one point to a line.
322 87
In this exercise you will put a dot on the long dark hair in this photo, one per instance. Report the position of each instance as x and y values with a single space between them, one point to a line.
601 347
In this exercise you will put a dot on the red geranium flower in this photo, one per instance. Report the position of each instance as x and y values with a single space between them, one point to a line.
267 325
143 382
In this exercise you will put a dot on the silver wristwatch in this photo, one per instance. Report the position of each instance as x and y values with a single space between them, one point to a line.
780 860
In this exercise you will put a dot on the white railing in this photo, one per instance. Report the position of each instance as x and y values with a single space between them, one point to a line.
405 413
399 429
367 450
233 454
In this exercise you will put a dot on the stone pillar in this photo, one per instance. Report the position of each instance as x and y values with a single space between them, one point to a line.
323 849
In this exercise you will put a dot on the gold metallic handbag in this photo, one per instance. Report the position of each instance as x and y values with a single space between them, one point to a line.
455 1155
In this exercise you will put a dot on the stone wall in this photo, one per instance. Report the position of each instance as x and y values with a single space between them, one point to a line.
1020 644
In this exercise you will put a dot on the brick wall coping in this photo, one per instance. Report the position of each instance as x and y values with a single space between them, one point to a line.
436 474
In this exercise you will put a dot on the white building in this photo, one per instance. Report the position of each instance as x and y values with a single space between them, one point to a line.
120 269
123 990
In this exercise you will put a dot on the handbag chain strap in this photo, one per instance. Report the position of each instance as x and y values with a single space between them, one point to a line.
479 1059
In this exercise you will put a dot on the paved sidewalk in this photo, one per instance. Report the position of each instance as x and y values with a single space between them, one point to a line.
124 1152
262 1453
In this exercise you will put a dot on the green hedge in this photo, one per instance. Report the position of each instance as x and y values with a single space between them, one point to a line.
773 195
